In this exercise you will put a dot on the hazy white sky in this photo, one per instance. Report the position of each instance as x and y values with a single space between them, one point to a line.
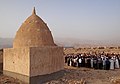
83 19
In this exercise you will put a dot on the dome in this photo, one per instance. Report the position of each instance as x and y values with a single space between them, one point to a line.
34 32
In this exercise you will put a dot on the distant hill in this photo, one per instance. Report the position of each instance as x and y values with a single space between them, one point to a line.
67 42
6 42
72 42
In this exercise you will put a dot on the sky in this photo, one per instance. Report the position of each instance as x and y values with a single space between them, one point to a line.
82 19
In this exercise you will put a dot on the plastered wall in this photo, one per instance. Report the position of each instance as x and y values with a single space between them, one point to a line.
46 60
16 60
33 61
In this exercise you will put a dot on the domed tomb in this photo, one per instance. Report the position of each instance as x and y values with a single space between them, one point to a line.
34 32
34 57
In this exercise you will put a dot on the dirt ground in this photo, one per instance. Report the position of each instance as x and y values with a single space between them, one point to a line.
88 76
73 75
82 50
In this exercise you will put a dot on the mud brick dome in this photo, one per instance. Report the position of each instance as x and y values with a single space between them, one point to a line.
34 32
34 58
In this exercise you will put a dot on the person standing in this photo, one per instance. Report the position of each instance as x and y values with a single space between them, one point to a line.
104 64
112 64
100 64
116 63
83 62
107 62
79 62
95 63
92 62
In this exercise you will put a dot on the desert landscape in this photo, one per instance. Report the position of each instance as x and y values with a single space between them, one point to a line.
60 42
75 75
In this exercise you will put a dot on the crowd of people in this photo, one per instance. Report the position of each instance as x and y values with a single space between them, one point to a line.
101 61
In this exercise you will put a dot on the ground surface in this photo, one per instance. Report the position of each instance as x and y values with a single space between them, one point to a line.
88 76
74 75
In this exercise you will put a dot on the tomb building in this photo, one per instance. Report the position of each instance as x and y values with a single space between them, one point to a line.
34 57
